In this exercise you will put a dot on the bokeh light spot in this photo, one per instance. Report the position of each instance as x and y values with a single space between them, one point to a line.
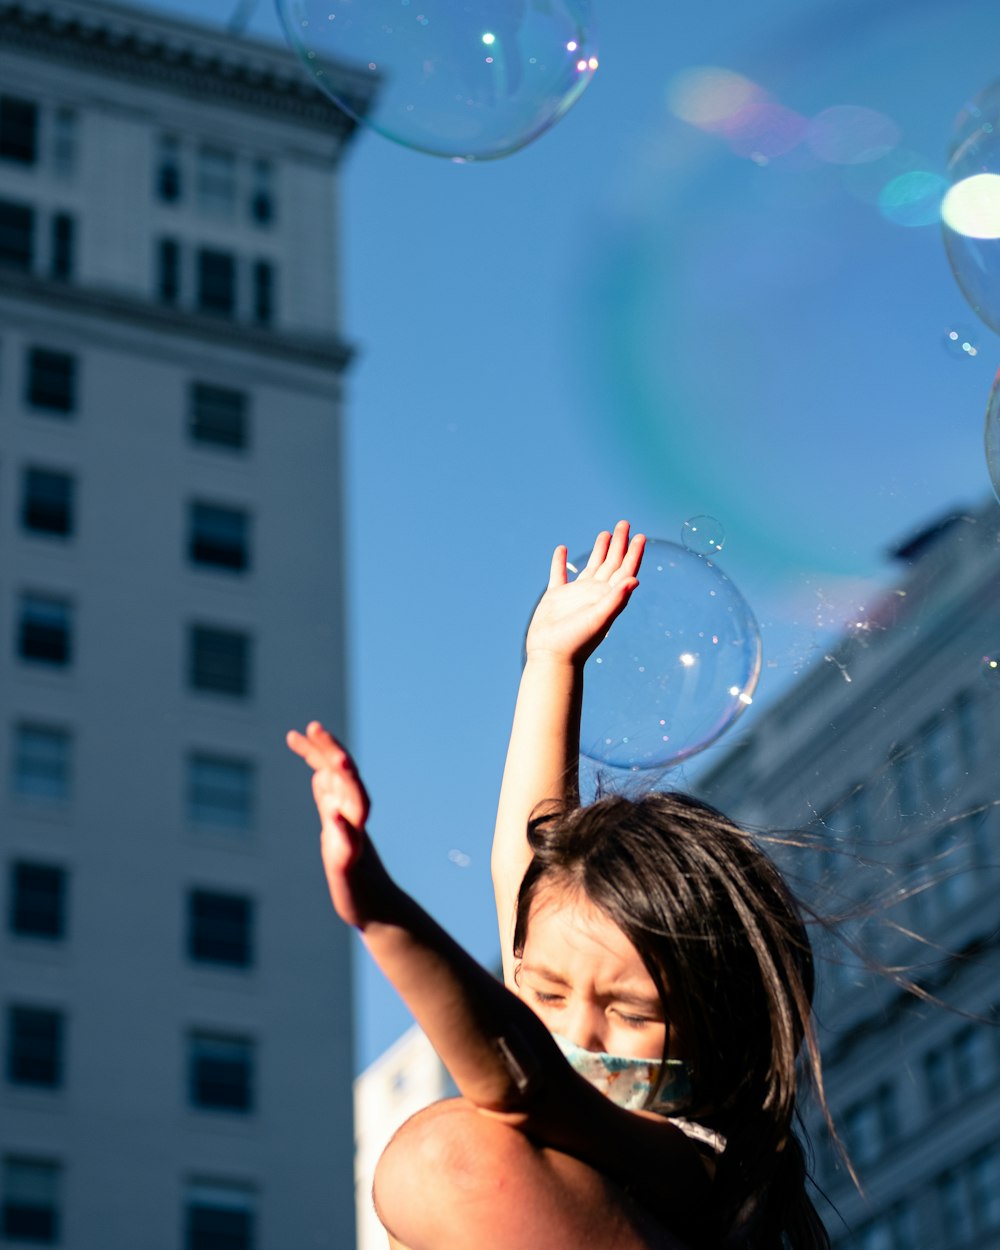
913 199
972 207
849 134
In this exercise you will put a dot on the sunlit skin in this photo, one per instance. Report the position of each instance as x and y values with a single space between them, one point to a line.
585 980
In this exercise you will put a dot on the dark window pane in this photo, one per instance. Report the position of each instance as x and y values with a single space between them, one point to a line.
47 502
17 236
218 416
18 130
30 1201
219 537
45 635
220 1073
220 791
219 660
216 282
51 380
42 762
63 241
263 292
168 172
38 900
219 1217
169 271
220 928
34 1047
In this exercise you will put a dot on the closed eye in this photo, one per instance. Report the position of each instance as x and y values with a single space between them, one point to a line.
542 997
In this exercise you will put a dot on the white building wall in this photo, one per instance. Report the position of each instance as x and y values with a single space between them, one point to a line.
120 1123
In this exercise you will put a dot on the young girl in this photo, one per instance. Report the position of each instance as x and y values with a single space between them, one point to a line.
632 1086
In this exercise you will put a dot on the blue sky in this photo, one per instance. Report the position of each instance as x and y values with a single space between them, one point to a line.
628 318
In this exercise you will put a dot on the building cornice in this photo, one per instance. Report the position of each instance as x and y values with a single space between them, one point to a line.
203 64
329 353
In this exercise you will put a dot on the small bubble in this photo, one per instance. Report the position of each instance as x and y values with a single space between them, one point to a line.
459 858
960 343
703 535
989 670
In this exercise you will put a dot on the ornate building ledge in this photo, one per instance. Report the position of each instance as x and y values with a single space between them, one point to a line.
326 352
145 47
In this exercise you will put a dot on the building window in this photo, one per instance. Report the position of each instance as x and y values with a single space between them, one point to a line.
18 130
63 246
51 380
219 537
31 1200
168 281
219 660
220 928
17 236
35 1047
218 416
219 1217
871 1125
216 282
984 1184
45 633
42 763
220 791
168 170
37 901
220 1072
47 502
216 182
262 196
263 292
64 128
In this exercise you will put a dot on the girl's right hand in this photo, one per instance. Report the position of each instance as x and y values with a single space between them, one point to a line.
572 618
353 870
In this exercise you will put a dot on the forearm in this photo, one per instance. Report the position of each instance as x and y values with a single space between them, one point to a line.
497 1050
542 763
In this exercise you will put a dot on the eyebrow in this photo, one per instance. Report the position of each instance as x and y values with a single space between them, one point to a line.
620 993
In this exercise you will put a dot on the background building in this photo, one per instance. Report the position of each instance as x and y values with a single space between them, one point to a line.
886 753
401 1082
175 1013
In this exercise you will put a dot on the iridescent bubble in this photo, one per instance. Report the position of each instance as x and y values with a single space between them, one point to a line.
849 134
913 198
466 79
960 343
676 669
703 535
993 435
971 210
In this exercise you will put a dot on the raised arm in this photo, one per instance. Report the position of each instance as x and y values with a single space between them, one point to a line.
499 1053
543 756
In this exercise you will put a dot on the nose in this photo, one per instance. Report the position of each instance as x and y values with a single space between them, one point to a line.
584 1027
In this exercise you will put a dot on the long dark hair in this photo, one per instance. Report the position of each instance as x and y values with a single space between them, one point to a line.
724 942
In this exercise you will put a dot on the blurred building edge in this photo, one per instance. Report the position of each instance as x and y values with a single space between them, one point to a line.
175 1010
885 754
406 1078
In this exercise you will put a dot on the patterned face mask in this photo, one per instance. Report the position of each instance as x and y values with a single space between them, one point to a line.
629 1082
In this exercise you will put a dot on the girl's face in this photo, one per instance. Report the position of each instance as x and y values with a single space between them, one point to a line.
586 981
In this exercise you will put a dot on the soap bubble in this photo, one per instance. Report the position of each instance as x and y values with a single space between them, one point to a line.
960 343
703 535
971 209
989 670
467 79
993 435
677 668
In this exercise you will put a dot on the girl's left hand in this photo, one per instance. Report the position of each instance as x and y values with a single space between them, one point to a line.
342 803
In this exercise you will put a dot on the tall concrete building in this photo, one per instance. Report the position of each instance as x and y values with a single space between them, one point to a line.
886 753
175 1005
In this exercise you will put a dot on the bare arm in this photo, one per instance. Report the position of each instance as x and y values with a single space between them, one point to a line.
500 1054
543 756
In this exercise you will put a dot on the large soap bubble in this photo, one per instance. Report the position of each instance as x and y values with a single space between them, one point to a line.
677 668
467 79
993 435
971 208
